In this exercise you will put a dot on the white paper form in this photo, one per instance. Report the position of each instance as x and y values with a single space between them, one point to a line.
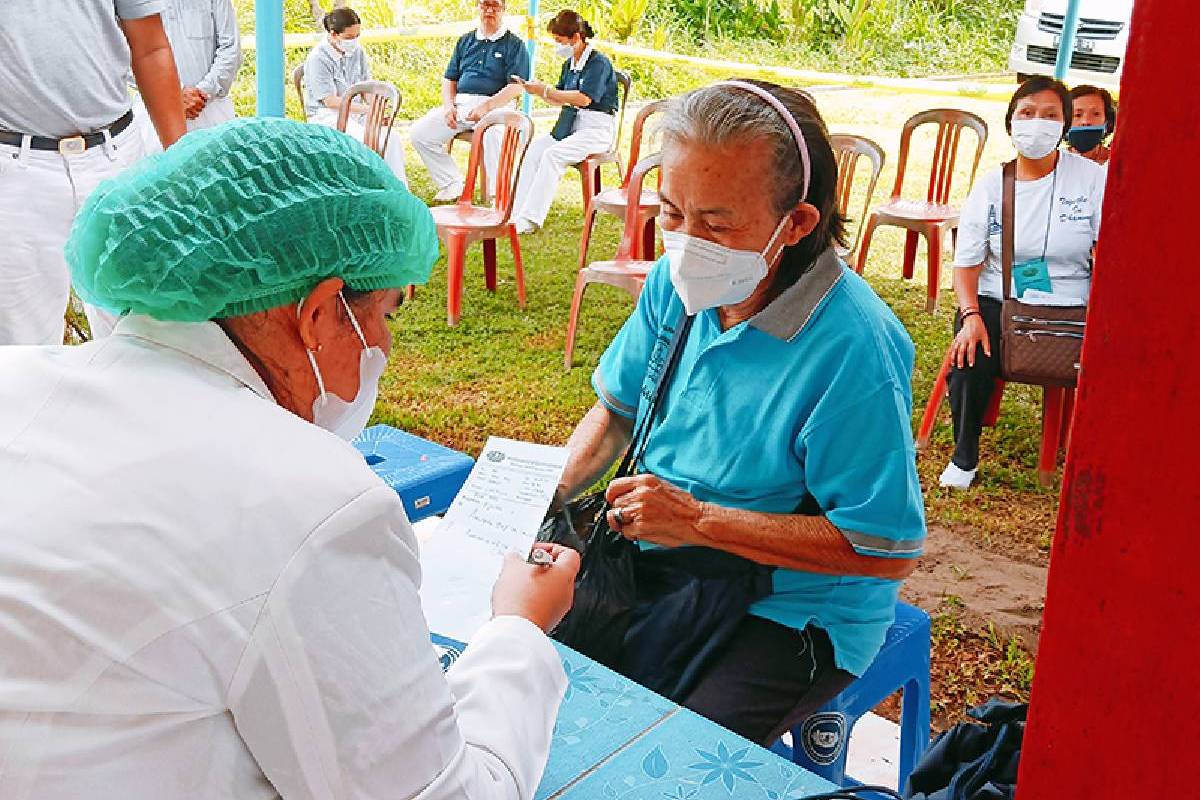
498 509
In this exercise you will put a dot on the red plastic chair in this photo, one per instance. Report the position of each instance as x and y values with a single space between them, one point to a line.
613 201
628 270
461 224
1058 410
934 216
383 103
589 168
847 150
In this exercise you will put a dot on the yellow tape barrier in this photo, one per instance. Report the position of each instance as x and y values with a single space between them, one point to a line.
518 23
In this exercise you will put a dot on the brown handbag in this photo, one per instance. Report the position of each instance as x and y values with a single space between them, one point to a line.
1040 345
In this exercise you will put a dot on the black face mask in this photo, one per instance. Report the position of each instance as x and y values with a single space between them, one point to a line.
1086 138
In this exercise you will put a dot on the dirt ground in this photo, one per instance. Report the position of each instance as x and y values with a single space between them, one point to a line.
984 586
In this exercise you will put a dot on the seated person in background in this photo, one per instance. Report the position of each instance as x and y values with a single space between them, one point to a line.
1093 119
587 91
207 46
1057 219
476 81
207 593
333 66
786 437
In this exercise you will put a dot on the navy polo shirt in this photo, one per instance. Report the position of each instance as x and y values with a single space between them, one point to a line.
595 78
811 396
482 66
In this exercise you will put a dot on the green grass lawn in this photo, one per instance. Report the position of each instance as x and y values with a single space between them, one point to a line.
500 370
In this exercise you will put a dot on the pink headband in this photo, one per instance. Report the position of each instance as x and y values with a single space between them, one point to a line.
774 102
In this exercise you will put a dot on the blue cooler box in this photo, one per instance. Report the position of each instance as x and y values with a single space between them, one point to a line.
427 476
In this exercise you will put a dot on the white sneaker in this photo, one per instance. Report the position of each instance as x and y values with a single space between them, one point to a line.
526 226
449 194
954 477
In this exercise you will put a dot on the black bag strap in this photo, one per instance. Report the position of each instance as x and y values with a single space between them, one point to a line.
641 433
1008 196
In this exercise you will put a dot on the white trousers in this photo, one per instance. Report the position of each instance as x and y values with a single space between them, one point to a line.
547 160
40 193
430 134
394 155
216 111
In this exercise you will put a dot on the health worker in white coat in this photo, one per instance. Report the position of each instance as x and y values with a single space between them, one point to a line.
205 592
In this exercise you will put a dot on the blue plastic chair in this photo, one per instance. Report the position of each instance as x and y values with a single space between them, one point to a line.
820 742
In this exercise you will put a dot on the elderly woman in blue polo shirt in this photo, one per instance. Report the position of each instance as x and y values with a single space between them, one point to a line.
784 435
587 92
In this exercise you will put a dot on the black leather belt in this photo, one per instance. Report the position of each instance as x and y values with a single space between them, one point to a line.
72 144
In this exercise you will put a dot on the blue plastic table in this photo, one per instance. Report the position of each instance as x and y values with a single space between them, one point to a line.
615 740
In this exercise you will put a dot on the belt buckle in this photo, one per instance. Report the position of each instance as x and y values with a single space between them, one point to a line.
72 145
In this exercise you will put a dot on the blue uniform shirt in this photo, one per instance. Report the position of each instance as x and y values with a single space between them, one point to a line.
810 396
595 77
482 66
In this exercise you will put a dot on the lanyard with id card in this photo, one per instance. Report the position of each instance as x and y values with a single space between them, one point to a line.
1034 273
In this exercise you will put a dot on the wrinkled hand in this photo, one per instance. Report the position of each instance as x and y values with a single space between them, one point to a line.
540 593
645 507
972 334
194 101
478 112
451 117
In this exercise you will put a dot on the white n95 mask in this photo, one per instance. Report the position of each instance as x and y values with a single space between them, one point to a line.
564 50
707 275
349 46
1036 138
334 414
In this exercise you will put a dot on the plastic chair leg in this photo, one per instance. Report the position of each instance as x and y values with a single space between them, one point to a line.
938 395
456 252
518 266
589 174
911 238
1052 421
411 292
573 320
585 239
1068 418
914 726
865 245
933 238
993 410
648 240
489 264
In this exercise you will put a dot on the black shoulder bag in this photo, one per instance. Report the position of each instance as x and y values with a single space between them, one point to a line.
658 616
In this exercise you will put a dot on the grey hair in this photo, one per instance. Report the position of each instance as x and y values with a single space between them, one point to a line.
718 116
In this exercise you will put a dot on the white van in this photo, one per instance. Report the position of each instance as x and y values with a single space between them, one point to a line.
1099 43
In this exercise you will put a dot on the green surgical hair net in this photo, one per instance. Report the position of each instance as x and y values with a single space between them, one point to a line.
244 217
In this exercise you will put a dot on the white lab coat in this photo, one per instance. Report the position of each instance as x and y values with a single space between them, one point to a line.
204 596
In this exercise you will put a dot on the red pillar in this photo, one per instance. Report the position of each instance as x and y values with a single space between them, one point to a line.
1116 697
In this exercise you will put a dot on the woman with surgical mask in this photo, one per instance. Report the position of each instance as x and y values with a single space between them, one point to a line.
206 590
587 92
1093 119
332 67
784 435
1056 222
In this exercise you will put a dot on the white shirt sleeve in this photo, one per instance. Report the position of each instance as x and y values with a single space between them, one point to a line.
339 693
971 248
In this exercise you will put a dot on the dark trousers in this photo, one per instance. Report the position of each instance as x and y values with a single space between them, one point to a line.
768 678
971 388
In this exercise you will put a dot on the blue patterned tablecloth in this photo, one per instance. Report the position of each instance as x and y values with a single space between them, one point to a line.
615 740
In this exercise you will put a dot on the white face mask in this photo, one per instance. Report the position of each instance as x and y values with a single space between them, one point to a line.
349 46
706 274
564 50
334 414
1036 138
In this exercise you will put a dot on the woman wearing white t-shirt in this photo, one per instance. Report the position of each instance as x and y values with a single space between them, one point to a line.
1057 219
